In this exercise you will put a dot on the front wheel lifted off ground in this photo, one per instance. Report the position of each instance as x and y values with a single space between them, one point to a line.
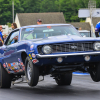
5 78
64 79
31 72
95 72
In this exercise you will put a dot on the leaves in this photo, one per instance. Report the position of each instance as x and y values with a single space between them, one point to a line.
68 7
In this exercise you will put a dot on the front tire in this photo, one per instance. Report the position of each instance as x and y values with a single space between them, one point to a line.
95 72
5 78
31 72
64 79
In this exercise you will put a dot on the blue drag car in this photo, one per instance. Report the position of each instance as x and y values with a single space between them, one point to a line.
39 50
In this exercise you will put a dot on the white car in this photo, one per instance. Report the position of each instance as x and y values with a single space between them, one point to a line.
85 33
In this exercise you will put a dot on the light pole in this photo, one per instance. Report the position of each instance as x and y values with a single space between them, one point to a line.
92 7
13 10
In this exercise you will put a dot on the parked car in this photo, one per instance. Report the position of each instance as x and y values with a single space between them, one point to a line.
85 33
39 50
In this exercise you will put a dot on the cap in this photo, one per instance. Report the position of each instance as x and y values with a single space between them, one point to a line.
39 20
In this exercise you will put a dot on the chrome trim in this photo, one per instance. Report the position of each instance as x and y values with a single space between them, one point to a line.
22 50
64 55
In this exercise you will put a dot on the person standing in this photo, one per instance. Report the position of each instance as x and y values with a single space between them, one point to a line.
97 29
13 26
39 21
1 36
4 37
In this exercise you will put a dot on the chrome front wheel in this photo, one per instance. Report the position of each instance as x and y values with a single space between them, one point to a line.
31 72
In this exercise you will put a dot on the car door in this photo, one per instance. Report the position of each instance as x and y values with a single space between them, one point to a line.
10 47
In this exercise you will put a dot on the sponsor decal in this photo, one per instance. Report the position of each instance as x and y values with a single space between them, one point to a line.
9 65
29 29
35 61
13 68
19 60
15 71
8 72
49 27
20 70
31 47
23 68
30 56
22 63
33 55
19 64
4 65
14 63
9 69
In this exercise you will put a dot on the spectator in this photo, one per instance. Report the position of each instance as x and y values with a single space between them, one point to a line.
1 36
97 29
13 26
80 28
4 37
39 21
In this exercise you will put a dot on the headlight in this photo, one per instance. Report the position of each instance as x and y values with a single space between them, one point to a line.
97 46
47 49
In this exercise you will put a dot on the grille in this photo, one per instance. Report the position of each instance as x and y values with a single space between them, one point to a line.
69 47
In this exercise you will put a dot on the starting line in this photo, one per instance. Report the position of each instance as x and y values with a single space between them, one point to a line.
79 73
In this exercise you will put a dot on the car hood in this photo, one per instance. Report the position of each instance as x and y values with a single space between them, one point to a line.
64 38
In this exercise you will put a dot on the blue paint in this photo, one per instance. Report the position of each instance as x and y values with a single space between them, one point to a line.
13 53
80 73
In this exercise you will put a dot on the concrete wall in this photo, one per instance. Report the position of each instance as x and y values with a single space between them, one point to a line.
89 20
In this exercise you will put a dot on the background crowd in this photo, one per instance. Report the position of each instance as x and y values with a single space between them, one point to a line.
13 26
3 37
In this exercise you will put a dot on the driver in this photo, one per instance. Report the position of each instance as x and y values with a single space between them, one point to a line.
39 21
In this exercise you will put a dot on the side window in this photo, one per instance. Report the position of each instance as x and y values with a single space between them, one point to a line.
13 38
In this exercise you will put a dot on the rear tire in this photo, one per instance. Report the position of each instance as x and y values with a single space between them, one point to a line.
64 79
31 72
5 78
95 72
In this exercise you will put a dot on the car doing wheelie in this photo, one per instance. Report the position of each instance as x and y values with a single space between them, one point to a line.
39 50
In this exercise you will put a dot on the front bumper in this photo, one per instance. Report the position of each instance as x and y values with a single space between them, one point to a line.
69 58
69 54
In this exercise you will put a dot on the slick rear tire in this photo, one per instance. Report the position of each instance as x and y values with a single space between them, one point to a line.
64 79
31 72
95 72
5 78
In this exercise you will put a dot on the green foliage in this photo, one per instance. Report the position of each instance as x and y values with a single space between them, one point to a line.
9 24
6 10
82 20
68 7
49 6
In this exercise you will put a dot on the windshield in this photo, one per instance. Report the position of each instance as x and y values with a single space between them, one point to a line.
47 31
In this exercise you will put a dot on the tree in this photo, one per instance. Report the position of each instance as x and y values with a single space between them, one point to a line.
49 6
6 10
31 6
